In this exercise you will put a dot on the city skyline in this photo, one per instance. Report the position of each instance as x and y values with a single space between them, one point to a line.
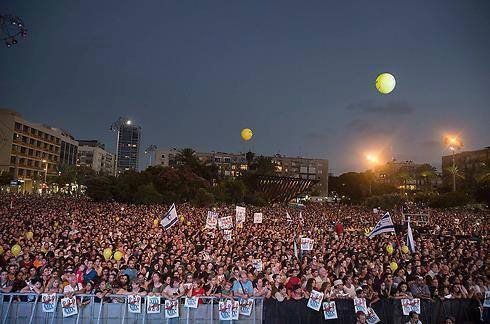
301 77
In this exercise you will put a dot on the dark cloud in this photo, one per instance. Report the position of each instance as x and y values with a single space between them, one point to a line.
369 128
389 108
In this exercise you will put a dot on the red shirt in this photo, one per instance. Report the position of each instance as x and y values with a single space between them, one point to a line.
199 292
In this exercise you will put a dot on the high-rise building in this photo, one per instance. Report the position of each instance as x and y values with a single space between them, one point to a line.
92 154
31 152
128 145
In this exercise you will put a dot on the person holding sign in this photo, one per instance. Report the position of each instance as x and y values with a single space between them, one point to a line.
243 287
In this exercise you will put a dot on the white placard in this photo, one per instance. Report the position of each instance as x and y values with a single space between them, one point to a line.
240 214
315 301
225 308
360 305
235 310
307 244
228 234
258 218
153 304
257 264
49 302
171 308
225 222
372 317
211 220
191 302
134 304
409 305
330 310
69 306
246 306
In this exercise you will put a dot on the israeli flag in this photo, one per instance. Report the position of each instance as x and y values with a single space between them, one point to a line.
410 241
170 218
384 225
288 218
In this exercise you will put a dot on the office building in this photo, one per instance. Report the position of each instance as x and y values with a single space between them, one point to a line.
92 154
128 146
470 164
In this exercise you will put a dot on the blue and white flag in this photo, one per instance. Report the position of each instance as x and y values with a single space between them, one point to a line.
170 218
410 241
301 218
288 218
295 247
384 225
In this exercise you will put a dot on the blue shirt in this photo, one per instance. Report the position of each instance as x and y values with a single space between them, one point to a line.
131 273
243 288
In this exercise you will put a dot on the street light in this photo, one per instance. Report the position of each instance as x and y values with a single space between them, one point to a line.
45 170
373 160
453 142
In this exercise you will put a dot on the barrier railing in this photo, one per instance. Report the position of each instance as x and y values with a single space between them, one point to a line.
28 308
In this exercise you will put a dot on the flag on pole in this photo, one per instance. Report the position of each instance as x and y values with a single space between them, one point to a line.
295 247
410 242
384 225
170 218
288 218
301 217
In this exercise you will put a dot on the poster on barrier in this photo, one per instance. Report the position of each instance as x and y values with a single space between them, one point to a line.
49 302
134 304
225 222
246 306
360 305
315 301
240 214
235 310
191 302
153 304
69 306
330 310
211 220
224 308
258 218
171 308
409 305
372 317
486 303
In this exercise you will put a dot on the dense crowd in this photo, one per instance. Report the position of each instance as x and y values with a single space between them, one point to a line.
69 235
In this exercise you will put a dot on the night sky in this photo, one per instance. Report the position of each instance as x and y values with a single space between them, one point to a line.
300 74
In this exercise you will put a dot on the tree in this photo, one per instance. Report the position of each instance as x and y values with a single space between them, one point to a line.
453 170
5 178
263 165
187 157
101 188
204 198
147 194
425 173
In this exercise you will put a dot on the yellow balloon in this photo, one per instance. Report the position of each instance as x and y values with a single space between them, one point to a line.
117 219
393 266
385 83
56 224
43 250
188 223
118 255
29 235
1 250
155 222
16 249
107 253
247 134
405 249
389 248
181 218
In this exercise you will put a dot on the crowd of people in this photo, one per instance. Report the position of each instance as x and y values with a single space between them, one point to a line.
65 253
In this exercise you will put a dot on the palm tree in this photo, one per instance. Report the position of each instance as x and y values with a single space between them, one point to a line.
427 172
454 172
187 157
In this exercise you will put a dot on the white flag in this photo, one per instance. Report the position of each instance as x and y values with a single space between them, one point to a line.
410 242
384 225
170 218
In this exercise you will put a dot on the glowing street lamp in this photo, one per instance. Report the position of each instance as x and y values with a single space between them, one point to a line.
45 170
373 160
453 142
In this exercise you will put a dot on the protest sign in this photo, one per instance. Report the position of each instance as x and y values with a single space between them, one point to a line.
171 308
360 305
315 301
134 304
240 214
153 304
307 244
225 222
257 218
69 306
191 302
372 317
225 308
211 220
49 302
409 305
246 306
330 310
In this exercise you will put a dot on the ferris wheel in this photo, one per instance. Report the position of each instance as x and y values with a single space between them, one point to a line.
12 29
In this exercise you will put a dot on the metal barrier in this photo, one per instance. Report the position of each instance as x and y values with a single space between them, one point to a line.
15 309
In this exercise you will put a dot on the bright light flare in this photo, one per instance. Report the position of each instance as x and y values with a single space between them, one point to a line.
372 158
453 142
128 122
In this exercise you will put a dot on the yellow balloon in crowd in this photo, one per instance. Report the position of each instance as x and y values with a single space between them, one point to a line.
118 255
247 134
117 219
44 250
1 250
56 224
389 248
393 266
385 83
181 218
16 249
29 235
155 222
188 223
107 253
405 249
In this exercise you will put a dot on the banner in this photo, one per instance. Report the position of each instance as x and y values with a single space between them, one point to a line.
225 222
171 308
191 302
372 317
211 220
49 302
315 301
134 304
307 244
240 214
225 308
360 305
257 218
409 305
153 304
69 306
330 310
246 306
